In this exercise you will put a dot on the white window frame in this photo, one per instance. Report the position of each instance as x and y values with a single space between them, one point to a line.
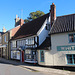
30 41
14 44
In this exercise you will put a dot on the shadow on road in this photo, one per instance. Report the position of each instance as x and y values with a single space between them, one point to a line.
18 63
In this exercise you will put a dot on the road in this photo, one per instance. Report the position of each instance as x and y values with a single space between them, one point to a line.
8 69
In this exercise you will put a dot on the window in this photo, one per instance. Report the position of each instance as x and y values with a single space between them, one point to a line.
22 42
71 59
0 39
5 38
14 55
27 51
18 44
4 52
30 41
34 56
71 38
41 55
14 43
28 57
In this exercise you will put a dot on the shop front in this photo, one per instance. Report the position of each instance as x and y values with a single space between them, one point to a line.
18 54
30 56
69 53
15 55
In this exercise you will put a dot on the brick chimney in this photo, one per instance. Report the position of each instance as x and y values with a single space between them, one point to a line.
52 13
18 21
21 22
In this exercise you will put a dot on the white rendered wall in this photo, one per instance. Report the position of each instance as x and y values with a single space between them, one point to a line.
48 58
59 57
53 57
43 33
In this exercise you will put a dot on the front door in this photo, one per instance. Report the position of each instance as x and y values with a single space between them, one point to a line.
22 56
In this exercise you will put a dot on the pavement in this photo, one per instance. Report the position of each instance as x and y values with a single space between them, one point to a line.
37 68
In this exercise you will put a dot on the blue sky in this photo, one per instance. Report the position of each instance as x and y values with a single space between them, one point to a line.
9 9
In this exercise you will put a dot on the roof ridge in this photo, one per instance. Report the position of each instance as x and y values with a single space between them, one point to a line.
37 18
31 27
66 15
63 24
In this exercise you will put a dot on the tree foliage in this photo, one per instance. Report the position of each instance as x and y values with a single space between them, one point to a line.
34 15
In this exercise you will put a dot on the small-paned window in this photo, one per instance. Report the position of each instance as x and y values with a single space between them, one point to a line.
28 57
41 55
30 41
71 59
14 44
14 55
27 51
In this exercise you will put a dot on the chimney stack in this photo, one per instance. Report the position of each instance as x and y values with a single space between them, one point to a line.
52 13
18 21
21 22
4 30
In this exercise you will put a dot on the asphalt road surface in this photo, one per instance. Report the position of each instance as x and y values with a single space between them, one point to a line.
8 69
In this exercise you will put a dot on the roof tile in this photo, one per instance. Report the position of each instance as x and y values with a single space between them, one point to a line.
31 28
63 24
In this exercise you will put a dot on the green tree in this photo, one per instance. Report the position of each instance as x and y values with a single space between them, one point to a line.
34 15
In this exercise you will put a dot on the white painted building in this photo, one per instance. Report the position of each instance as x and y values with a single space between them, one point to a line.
29 37
63 40
62 43
45 57
62 51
